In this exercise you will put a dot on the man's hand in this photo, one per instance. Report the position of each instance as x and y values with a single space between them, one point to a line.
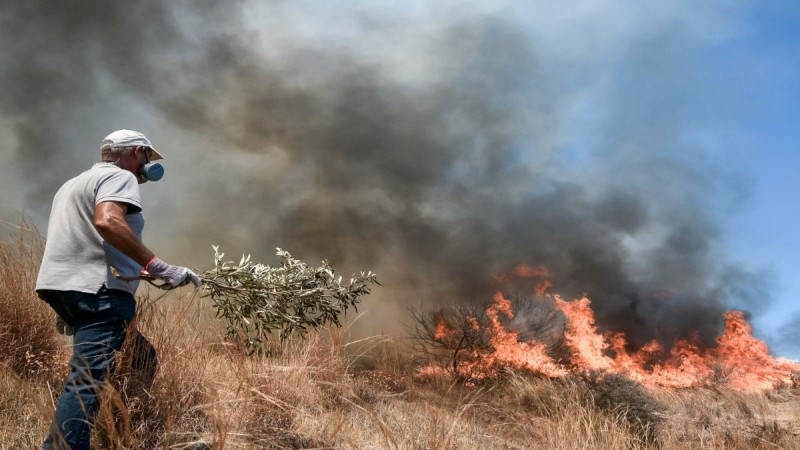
174 275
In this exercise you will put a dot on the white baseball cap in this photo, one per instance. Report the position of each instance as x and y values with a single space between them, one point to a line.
129 138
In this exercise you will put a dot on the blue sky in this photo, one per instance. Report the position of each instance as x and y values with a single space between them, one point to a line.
759 72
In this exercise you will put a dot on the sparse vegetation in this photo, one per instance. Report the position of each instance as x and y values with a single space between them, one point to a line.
449 336
326 391
453 339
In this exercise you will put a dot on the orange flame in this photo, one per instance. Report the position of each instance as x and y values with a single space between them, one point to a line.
509 351
746 361
525 271
588 347
441 330
543 287
740 360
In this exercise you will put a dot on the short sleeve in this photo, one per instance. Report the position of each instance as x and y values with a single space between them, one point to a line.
120 186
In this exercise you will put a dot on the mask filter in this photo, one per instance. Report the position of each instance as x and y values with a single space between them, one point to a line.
151 171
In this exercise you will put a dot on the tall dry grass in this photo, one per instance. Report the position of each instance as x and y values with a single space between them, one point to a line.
332 391
33 359
31 346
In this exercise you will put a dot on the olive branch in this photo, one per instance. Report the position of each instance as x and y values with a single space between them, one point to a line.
257 301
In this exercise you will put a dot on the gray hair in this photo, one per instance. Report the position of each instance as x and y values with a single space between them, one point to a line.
110 153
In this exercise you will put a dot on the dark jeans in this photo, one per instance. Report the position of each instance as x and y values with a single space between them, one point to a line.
100 322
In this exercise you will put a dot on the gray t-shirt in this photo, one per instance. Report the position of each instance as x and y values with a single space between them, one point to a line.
76 258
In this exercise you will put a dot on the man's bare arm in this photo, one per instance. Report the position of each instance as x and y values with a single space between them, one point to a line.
109 220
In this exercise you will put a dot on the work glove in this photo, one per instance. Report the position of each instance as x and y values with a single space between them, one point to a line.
175 276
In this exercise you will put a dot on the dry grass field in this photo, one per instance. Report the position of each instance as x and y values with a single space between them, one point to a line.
332 392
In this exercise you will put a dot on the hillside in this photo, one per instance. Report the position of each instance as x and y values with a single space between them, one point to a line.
329 391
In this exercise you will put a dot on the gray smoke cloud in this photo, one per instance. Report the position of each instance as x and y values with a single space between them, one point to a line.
438 145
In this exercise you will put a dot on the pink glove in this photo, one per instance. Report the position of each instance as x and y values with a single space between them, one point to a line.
174 275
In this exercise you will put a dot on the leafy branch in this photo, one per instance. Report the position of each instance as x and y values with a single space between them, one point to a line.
258 300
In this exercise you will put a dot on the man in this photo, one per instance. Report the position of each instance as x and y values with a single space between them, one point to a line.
96 223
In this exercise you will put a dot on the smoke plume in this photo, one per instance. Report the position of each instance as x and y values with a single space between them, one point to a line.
436 144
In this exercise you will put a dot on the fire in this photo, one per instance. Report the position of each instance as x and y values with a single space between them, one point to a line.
441 329
509 351
525 271
543 287
746 361
588 347
687 366
739 360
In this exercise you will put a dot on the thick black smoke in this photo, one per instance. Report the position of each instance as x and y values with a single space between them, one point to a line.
430 144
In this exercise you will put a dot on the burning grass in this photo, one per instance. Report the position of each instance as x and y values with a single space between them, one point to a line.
481 347
331 392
